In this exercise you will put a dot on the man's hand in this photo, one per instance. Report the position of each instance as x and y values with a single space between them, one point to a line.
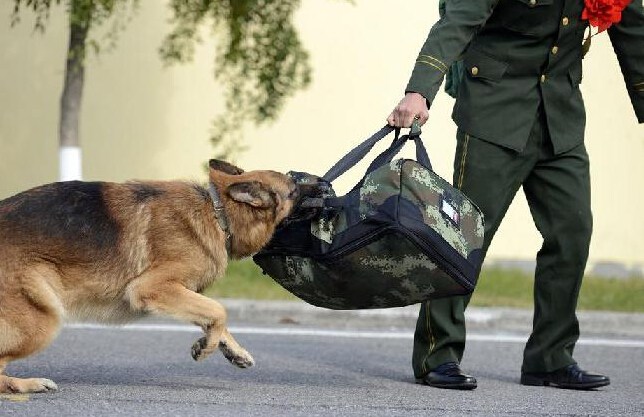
412 107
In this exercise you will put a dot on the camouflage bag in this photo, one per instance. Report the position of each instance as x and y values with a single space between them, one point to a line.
401 236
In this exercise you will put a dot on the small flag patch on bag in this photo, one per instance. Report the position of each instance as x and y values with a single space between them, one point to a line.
450 212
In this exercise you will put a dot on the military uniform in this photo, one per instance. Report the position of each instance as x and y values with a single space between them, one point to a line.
521 123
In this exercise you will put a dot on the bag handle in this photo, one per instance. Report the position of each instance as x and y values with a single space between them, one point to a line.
360 151
385 157
357 153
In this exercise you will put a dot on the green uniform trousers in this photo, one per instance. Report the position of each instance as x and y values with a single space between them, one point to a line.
557 188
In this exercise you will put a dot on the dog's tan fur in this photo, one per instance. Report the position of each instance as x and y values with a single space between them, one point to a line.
125 250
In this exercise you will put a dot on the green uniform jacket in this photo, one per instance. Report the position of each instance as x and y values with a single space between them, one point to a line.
517 55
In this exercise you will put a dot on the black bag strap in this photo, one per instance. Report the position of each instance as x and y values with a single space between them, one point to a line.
357 153
388 154
360 151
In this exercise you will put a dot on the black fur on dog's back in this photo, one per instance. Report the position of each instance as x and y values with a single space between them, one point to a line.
75 213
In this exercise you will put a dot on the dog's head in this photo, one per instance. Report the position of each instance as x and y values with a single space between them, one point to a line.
255 202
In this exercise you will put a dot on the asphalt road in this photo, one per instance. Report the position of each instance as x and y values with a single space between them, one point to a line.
146 370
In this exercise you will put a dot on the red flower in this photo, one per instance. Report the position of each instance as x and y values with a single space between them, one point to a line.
603 13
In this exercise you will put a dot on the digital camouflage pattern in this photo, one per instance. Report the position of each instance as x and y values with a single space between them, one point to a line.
361 256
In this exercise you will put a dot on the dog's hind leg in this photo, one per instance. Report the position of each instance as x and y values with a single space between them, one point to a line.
149 293
23 385
25 328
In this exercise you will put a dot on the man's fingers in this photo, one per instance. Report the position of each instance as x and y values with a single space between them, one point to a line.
411 107
396 119
409 119
423 118
404 119
409 115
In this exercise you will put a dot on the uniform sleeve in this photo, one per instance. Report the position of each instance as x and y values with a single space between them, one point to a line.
447 40
627 38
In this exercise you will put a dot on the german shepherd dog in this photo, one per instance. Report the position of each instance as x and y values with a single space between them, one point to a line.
107 252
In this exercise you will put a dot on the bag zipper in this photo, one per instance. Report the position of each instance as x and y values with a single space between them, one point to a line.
435 256
356 244
443 262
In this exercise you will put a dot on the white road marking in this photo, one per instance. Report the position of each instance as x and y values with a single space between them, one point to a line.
278 331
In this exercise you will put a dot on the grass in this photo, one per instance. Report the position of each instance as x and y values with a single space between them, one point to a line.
496 287
502 287
244 279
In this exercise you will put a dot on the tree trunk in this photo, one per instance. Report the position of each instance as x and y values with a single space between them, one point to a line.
70 101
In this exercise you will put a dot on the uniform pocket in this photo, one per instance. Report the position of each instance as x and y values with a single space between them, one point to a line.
529 17
479 65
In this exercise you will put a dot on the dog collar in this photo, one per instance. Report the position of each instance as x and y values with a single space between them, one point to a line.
220 214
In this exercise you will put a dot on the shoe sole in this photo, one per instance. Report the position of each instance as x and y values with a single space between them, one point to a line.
541 382
463 387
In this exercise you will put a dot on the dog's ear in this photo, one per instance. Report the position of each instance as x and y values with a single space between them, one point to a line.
252 193
224 166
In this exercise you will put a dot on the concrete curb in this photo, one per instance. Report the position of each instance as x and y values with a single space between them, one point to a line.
478 319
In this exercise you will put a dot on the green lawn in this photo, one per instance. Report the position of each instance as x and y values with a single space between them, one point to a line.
244 279
496 287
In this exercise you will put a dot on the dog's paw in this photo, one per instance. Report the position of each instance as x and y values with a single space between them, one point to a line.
243 361
45 385
30 385
197 352
240 358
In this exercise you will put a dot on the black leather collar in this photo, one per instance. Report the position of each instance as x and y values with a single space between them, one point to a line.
220 214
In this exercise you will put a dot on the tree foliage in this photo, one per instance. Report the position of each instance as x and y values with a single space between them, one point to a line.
259 58
85 14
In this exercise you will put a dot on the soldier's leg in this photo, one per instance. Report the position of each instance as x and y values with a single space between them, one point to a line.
490 176
558 193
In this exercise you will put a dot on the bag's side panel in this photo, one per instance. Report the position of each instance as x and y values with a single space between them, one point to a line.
445 209
378 186
389 272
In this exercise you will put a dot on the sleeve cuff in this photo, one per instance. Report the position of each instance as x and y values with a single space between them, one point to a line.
426 79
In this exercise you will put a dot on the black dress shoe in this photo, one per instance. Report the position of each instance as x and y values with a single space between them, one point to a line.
570 377
448 375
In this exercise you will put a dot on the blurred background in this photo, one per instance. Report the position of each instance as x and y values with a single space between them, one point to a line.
152 115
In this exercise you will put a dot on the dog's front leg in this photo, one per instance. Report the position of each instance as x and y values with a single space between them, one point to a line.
229 347
148 293
236 354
